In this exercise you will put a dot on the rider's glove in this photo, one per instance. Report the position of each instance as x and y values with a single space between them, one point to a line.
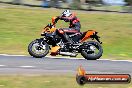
59 17
56 20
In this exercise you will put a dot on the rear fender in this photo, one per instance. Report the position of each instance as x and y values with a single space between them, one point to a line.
87 35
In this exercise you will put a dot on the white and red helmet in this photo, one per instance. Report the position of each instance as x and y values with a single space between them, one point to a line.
66 13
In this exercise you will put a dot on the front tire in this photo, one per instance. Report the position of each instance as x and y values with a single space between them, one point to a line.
93 56
38 48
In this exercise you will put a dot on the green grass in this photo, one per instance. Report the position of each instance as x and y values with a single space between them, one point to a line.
50 82
19 26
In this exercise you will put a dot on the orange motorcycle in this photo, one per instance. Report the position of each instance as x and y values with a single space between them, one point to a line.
52 41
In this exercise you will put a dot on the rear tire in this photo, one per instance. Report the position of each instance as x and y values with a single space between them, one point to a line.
38 42
90 56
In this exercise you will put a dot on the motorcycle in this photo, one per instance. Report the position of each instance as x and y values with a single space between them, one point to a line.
52 40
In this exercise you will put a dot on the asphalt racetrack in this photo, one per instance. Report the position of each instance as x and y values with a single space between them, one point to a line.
29 65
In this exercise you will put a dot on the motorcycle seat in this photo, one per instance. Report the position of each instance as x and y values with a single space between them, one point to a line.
72 31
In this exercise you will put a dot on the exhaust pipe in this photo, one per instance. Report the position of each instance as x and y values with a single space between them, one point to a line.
68 54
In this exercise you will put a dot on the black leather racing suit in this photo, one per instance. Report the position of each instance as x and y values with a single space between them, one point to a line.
74 22
74 25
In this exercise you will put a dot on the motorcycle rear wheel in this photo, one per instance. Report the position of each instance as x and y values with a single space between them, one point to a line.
38 48
93 56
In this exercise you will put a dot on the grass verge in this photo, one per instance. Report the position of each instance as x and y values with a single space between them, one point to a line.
50 82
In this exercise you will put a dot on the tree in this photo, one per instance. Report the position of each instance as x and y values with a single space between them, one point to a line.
17 1
76 4
51 3
93 3
129 2
55 3
128 5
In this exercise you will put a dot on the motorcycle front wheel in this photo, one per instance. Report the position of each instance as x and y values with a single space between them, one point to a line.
38 48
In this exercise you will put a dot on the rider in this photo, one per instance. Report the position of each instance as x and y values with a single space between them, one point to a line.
74 25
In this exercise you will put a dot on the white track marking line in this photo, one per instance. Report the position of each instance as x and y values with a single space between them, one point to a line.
27 66
69 58
63 57
122 60
2 65
84 58
11 55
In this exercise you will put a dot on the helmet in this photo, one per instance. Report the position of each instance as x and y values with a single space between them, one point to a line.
66 13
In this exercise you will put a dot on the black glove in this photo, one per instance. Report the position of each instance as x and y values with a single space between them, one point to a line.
59 17
56 20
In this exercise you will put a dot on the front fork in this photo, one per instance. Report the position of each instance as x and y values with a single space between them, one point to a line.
40 41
